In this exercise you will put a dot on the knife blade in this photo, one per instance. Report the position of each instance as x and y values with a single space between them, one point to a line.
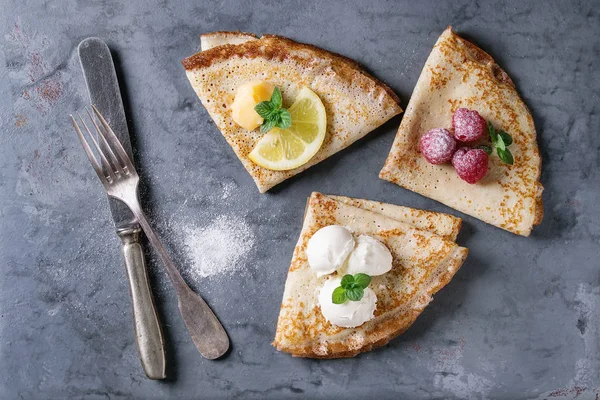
103 88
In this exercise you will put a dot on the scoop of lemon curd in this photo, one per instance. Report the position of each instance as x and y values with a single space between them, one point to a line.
247 97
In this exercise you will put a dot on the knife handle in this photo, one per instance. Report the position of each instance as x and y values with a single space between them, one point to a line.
148 333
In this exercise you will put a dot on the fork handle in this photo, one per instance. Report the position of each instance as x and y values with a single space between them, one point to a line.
206 331
148 334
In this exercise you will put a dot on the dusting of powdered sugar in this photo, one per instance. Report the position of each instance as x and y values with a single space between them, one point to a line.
205 236
229 188
218 248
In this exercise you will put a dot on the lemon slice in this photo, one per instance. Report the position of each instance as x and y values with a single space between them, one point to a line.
284 149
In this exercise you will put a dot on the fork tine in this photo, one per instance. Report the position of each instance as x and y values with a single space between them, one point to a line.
114 161
114 141
109 168
89 153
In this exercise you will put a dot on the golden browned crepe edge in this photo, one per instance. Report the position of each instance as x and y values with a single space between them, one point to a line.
229 34
392 325
482 57
209 40
251 49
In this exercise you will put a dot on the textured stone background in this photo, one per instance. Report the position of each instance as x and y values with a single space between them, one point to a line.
519 321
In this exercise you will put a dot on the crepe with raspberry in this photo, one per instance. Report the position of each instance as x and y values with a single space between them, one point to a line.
458 75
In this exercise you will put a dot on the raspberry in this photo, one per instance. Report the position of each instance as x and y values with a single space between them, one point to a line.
471 164
437 146
468 125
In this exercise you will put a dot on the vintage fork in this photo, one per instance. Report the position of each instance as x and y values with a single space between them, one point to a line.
121 182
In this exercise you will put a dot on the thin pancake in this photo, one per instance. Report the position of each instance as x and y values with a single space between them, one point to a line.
214 39
445 225
423 264
355 102
460 74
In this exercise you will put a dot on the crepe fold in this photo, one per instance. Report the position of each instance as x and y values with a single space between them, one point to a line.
355 102
459 74
423 263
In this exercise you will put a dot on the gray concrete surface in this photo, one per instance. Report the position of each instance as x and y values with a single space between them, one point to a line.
519 321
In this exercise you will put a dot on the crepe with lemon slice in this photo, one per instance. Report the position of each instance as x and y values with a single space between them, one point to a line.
423 263
459 74
354 102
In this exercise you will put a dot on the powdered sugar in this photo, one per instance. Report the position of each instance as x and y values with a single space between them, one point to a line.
468 125
228 189
471 165
218 248
437 146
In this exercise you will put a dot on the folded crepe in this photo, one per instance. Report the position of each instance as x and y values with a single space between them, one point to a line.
423 263
214 39
459 74
355 102
441 224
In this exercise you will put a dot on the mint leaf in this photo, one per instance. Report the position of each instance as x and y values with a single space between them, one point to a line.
362 280
272 113
285 119
500 140
339 295
500 144
506 156
347 281
353 286
506 138
486 148
264 109
492 131
276 98
267 125
355 294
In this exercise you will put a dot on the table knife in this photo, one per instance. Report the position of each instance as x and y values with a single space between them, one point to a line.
103 88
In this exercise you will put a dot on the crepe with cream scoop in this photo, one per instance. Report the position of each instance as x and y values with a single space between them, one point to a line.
423 263
355 102
459 74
